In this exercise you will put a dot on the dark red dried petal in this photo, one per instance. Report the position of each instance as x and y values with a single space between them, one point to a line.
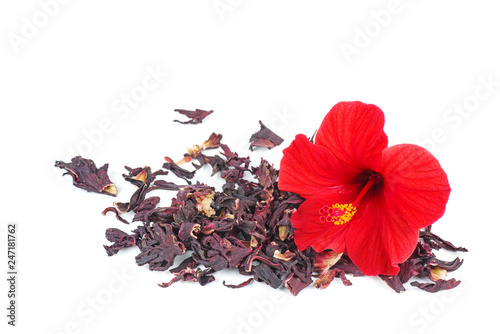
264 273
186 263
447 265
188 231
86 175
237 286
325 260
438 286
159 247
119 239
324 280
117 214
162 184
411 268
204 276
179 171
436 242
196 116
295 284
265 174
264 138
394 282
348 267
212 142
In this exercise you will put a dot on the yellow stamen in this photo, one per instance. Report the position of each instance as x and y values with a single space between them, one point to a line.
337 214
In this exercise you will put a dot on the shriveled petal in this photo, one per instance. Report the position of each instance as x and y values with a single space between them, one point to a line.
354 133
308 169
310 231
379 239
415 185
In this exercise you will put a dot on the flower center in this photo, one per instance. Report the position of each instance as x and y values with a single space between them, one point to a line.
339 214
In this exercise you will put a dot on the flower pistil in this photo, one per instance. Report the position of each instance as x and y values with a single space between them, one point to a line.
339 214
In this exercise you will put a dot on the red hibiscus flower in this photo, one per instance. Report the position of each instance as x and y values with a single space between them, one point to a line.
362 197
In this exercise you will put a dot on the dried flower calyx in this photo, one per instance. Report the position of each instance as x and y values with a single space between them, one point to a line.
87 176
195 116
264 138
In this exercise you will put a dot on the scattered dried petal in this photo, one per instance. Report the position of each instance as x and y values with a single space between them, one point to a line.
159 247
117 214
437 243
325 260
264 138
212 142
196 116
438 286
394 282
242 284
324 281
86 175
179 172
119 239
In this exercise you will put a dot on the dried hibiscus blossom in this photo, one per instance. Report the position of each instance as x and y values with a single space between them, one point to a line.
264 138
86 175
195 116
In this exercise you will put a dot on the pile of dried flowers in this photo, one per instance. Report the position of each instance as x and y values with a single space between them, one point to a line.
251 224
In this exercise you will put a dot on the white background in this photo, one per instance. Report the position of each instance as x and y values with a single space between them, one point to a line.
66 69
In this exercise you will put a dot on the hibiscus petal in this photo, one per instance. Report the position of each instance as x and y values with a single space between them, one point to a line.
379 239
354 133
310 231
415 185
308 169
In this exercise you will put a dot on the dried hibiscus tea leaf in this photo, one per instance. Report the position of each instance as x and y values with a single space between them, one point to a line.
447 265
137 176
265 174
162 184
264 273
195 116
264 138
119 239
159 247
348 267
294 284
394 282
178 171
142 181
212 142
117 214
325 260
185 271
438 286
86 175
237 286
437 243
325 279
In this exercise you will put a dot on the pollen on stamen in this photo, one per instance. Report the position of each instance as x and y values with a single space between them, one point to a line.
337 214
